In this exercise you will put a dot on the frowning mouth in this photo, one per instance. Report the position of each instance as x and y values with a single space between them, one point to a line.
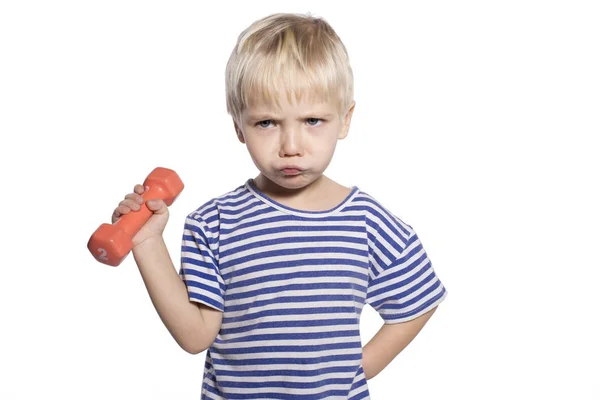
291 170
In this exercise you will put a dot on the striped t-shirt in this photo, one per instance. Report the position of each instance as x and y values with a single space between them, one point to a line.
292 285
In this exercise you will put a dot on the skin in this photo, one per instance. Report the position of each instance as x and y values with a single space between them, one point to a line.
389 341
303 134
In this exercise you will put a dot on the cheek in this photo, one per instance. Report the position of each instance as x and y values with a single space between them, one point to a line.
259 148
325 143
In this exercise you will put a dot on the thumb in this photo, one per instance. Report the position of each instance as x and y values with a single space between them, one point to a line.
157 206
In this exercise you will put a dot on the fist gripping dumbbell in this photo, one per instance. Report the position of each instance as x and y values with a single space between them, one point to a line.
111 243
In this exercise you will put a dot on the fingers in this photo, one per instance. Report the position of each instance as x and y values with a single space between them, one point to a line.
139 189
133 202
136 198
157 206
124 208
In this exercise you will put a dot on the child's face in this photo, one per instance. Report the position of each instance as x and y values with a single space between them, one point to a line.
300 135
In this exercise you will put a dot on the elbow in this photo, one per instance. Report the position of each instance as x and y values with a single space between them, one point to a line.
203 334
192 343
193 347
193 350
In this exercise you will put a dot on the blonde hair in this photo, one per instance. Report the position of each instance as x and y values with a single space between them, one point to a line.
299 53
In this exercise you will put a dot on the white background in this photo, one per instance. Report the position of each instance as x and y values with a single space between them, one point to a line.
476 122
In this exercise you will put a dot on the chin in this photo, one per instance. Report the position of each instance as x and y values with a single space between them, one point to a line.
291 182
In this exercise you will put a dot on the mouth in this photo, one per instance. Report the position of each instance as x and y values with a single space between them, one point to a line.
291 170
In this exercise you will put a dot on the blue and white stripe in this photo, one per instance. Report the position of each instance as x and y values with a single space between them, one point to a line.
292 285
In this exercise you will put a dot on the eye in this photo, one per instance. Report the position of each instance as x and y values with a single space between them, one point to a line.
313 121
265 123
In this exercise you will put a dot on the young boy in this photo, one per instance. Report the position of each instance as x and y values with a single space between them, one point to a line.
275 273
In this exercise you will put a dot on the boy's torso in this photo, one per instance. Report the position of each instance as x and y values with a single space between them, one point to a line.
296 282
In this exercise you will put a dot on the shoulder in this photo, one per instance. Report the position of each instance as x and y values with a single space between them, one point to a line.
205 220
381 219
209 210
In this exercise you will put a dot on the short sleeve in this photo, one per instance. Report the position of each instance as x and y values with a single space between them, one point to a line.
199 266
407 286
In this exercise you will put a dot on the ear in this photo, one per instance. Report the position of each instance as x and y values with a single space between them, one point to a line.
239 132
346 121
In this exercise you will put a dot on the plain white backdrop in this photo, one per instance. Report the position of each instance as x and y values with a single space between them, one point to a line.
476 122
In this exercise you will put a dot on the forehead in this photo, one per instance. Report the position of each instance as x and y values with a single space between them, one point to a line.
290 104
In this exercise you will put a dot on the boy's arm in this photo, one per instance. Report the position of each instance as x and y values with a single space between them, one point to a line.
193 326
389 341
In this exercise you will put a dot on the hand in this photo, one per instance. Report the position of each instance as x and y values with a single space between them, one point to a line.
155 226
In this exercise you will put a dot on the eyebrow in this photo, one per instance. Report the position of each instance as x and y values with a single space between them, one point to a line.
261 117
265 116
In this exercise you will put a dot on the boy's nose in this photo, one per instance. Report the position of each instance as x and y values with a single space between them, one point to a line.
291 143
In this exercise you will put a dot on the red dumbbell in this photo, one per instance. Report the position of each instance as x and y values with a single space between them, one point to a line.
111 243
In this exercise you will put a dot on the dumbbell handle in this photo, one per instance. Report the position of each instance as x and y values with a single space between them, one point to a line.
133 221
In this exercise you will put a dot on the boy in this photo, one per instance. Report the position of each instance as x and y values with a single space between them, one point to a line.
275 273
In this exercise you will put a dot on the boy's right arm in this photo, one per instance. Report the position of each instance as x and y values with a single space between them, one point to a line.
194 326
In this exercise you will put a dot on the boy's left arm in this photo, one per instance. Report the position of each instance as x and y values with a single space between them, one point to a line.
389 341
